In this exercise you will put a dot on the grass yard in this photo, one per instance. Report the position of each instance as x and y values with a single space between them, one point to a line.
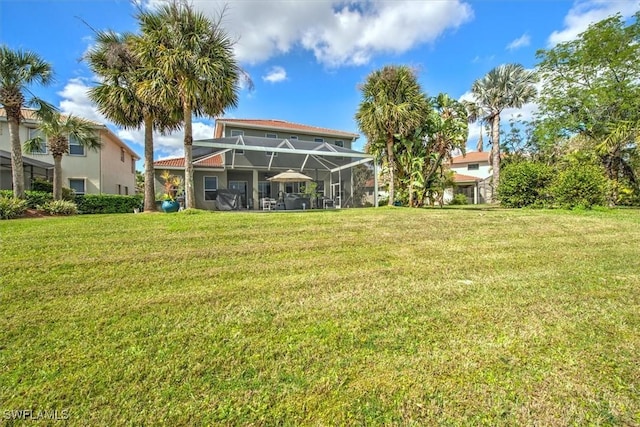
388 316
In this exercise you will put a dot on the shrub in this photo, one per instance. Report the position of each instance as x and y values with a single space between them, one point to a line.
525 183
107 203
60 207
11 207
580 185
459 199
41 184
36 199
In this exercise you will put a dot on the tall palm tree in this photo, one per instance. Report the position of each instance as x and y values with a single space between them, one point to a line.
18 70
196 55
57 130
506 86
118 99
475 113
393 108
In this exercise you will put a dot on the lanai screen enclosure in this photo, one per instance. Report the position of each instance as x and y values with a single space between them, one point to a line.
267 157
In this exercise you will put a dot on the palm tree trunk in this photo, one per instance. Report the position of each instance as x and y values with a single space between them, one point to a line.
495 156
149 173
17 166
392 168
57 177
189 192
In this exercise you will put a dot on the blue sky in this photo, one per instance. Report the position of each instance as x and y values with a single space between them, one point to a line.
307 57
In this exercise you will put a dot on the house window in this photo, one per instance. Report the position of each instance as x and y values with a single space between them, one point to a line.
210 187
121 154
239 152
473 166
42 147
133 165
237 133
271 135
339 143
75 148
264 189
318 139
77 185
126 191
293 137
270 153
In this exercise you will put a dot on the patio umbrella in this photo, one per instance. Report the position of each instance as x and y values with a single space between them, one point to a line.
290 176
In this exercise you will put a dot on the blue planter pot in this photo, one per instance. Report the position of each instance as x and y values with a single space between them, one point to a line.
169 206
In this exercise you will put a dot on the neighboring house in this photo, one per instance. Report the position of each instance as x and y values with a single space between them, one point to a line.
109 170
472 176
244 154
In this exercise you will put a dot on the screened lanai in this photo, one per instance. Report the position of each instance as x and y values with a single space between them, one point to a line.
256 159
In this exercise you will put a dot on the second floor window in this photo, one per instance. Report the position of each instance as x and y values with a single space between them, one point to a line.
121 154
339 143
75 148
473 167
318 139
42 148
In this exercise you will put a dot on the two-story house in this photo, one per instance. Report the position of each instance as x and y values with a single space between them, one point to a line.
109 170
472 176
244 154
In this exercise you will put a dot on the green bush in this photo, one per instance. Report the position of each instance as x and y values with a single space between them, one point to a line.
580 185
459 199
60 207
36 199
41 184
107 203
525 183
11 207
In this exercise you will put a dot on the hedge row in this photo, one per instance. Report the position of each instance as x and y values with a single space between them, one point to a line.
107 203
535 184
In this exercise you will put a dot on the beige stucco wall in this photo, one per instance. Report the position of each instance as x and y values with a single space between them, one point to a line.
101 169
113 170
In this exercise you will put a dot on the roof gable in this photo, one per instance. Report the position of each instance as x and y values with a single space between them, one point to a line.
472 157
280 125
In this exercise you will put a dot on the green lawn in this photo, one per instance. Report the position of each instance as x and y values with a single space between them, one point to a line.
387 316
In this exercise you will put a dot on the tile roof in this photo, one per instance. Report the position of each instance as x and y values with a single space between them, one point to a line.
207 161
458 177
281 125
472 157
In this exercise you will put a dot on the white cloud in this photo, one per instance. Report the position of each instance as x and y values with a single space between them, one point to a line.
586 12
338 32
75 100
521 41
275 74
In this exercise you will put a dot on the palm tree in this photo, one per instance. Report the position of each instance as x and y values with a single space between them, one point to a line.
19 69
506 86
118 99
57 130
194 53
393 108
475 114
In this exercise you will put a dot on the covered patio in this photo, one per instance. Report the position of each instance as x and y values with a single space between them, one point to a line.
32 169
251 163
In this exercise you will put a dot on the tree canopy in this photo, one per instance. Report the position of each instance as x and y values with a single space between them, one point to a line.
591 94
